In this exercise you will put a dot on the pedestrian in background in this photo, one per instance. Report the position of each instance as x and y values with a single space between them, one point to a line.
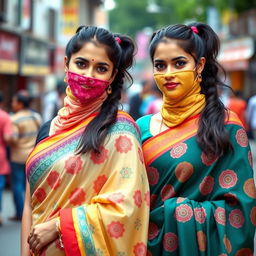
5 137
137 101
25 125
87 190
196 152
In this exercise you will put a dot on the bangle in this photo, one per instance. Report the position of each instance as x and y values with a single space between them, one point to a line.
59 232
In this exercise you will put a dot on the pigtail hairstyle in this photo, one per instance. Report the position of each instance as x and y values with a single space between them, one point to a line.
120 50
202 41
211 135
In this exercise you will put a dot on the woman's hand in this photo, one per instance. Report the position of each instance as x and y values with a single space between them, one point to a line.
41 235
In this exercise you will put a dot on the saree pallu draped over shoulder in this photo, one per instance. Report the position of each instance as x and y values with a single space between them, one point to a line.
200 205
102 199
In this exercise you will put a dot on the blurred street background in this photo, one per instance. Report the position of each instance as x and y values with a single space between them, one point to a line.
33 35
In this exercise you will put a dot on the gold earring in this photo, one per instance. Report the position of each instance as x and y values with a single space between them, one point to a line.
109 90
199 77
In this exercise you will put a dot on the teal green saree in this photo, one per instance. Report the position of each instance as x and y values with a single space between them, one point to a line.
199 205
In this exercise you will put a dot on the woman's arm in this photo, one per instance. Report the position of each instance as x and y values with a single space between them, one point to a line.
26 223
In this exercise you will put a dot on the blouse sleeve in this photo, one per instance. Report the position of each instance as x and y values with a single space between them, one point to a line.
115 222
222 221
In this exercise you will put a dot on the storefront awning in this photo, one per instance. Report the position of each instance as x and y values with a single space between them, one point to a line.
235 54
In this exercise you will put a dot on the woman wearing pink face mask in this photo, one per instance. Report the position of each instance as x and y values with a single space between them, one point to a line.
196 152
87 190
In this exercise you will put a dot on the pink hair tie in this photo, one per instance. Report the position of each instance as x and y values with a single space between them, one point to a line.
194 29
118 40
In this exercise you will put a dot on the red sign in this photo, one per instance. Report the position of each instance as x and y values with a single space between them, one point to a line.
8 46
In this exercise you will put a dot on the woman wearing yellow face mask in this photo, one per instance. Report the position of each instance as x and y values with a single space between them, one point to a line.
197 155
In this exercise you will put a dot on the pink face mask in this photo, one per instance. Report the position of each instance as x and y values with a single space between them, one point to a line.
86 88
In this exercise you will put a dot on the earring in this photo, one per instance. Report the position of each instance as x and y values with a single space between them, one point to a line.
109 90
199 77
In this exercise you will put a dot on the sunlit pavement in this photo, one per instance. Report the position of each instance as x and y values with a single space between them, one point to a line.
10 231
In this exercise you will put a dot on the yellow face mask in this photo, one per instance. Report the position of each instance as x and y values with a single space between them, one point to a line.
181 94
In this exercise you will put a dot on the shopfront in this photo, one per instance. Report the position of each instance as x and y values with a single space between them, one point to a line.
237 56
35 66
9 64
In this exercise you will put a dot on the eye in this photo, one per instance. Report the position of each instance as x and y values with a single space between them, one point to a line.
159 66
180 63
102 69
80 64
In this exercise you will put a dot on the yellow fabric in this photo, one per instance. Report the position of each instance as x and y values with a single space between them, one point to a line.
124 178
183 101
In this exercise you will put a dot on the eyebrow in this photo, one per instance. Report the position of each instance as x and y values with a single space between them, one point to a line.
174 59
86 60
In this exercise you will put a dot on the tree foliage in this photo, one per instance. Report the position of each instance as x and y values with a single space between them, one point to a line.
130 16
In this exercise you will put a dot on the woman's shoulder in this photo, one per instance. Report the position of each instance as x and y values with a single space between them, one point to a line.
125 124
43 131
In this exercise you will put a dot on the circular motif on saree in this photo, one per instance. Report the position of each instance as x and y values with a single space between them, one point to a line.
147 198
180 199
137 197
250 158
167 192
200 214
227 179
153 199
206 185
115 229
116 197
99 183
123 144
227 244
220 215
170 242
140 249
40 194
253 215
249 188
73 164
179 150
208 159
183 213
99 158
244 252
153 231
236 218
201 239
231 199
153 175
77 196
53 179
241 138
183 171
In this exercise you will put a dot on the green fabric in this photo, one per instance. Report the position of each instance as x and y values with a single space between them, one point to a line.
184 185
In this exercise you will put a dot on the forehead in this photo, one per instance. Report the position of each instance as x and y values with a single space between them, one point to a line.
169 49
93 50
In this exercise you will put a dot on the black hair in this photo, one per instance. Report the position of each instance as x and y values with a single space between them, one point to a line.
120 50
211 136
24 98
1 97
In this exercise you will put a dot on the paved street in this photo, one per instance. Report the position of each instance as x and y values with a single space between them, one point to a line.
10 231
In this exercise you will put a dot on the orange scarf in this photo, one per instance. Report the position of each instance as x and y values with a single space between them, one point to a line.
74 112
